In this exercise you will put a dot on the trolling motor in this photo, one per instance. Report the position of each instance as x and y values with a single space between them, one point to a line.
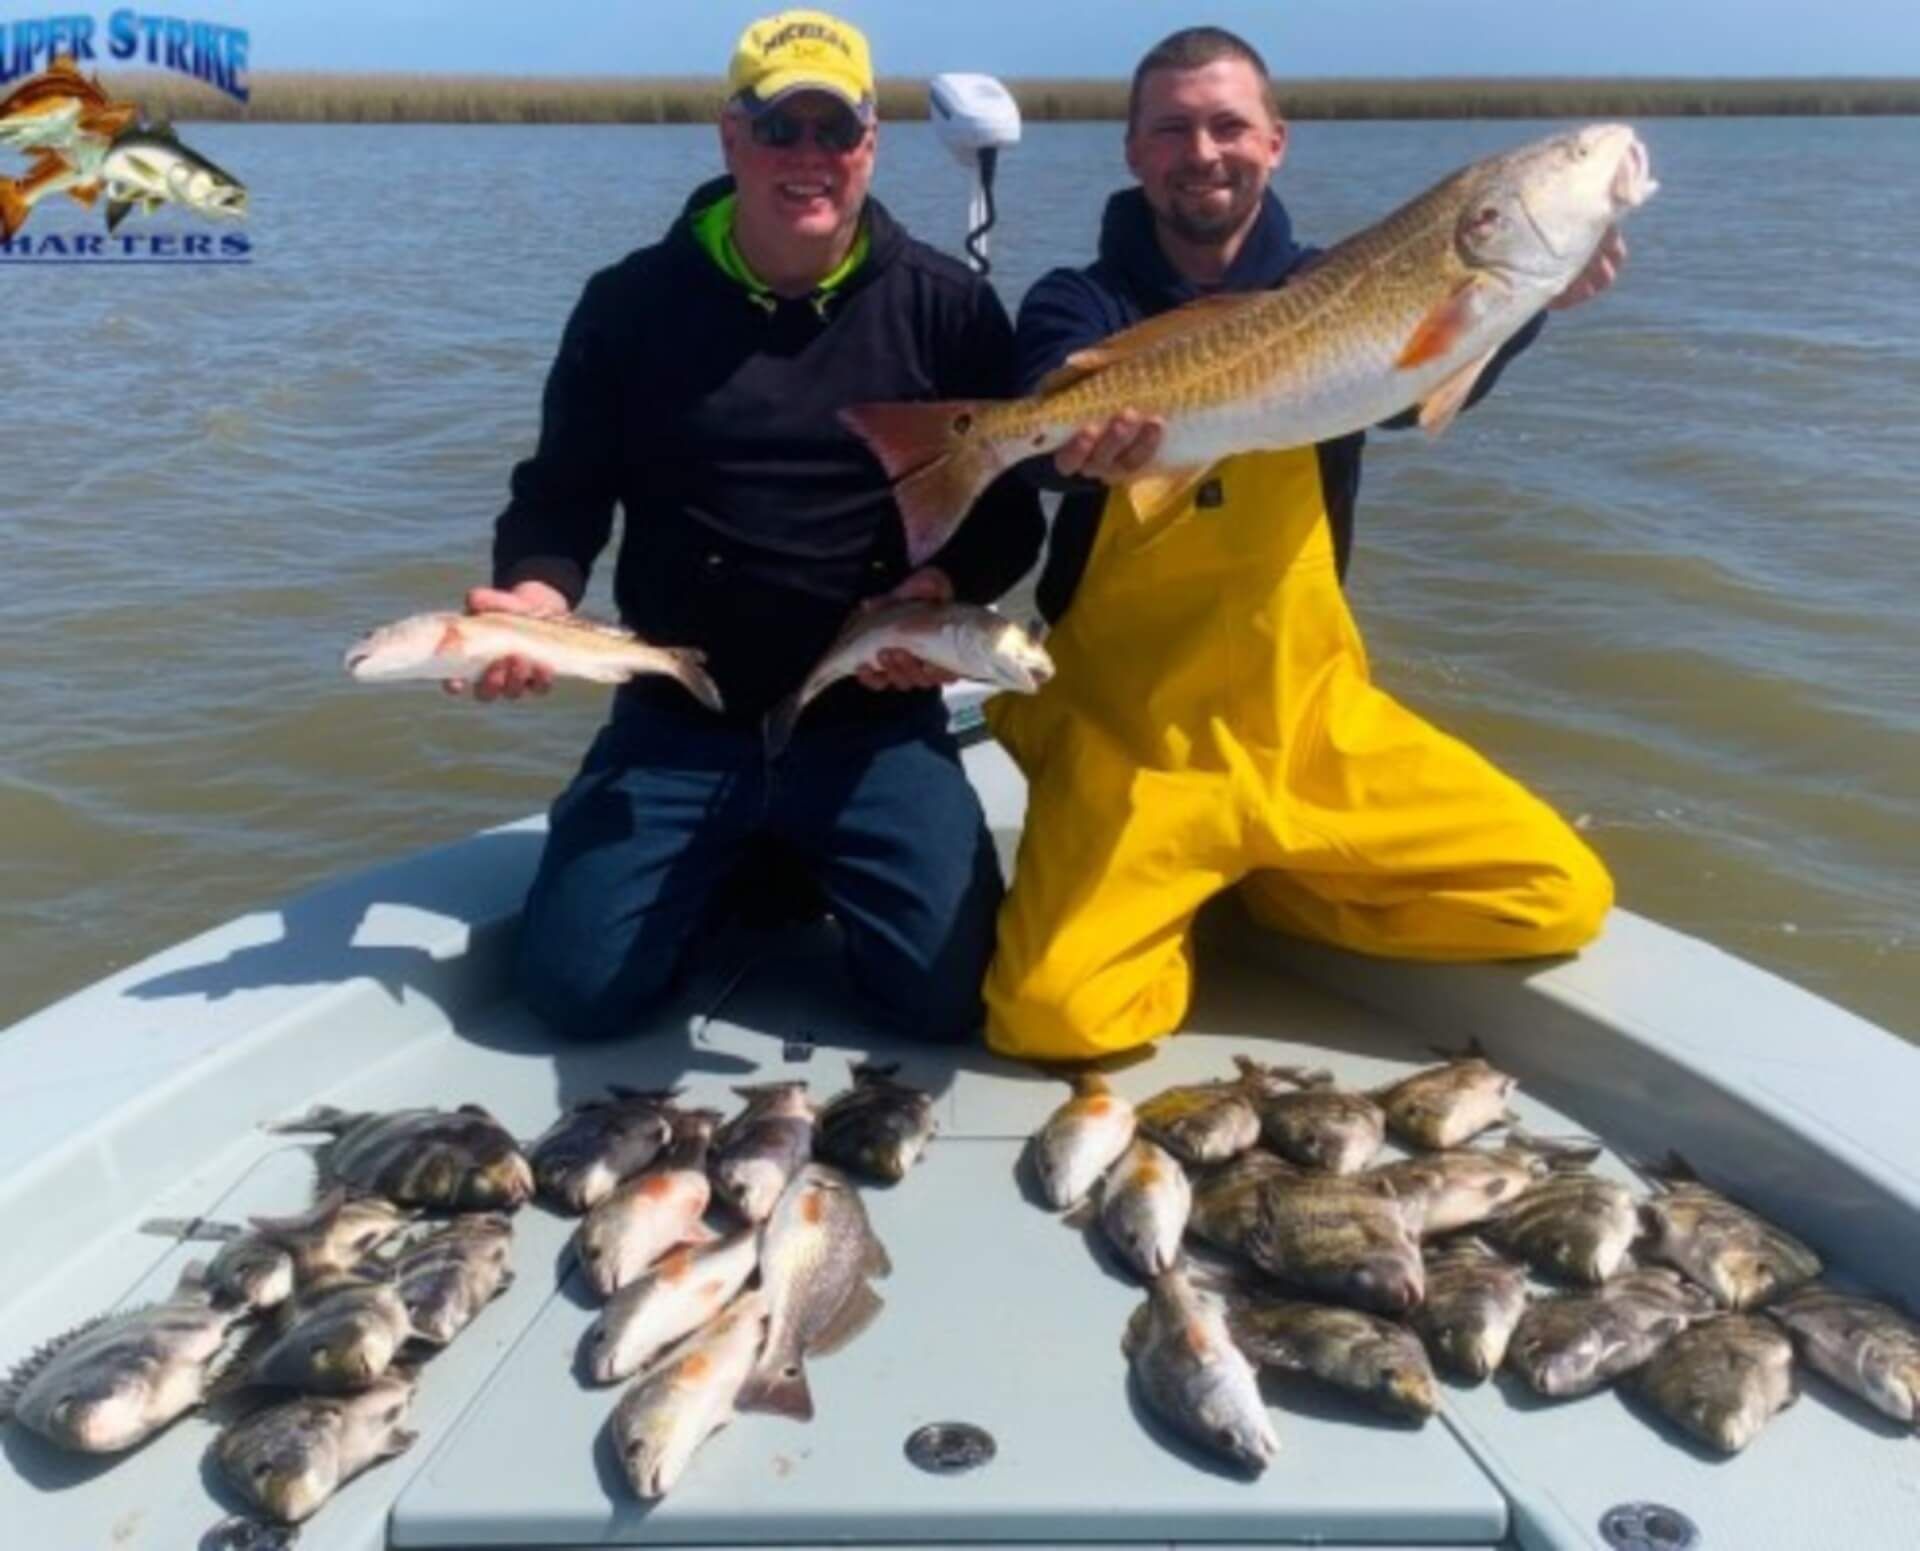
974 116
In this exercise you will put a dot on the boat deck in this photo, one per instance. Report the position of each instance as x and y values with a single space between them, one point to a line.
385 993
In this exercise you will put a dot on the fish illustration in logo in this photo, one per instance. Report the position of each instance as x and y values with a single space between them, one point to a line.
66 124
151 168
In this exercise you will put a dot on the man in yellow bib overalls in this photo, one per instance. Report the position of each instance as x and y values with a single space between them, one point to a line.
1212 722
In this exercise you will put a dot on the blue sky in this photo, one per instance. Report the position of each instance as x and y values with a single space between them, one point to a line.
1082 37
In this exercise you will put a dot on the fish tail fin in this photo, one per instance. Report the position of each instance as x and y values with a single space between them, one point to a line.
781 721
322 1117
14 209
781 1390
690 668
937 459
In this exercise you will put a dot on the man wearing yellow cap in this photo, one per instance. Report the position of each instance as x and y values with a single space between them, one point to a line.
697 386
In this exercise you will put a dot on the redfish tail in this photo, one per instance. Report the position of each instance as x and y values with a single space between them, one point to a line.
14 209
781 720
937 460
782 1391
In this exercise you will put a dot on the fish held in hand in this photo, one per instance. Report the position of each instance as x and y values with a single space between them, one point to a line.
1573 1343
816 1255
672 1300
1722 1379
878 1128
1081 1140
460 1159
289 1459
684 1400
649 1214
599 1142
759 1150
964 639
1193 1375
1145 1201
1409 311
1738 1256
1863 1345
1474 1300
117 1380
461 647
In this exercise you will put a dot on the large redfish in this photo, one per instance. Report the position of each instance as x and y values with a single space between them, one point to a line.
1407 312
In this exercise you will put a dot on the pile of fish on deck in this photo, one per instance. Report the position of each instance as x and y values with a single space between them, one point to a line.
318 1316
1270 1237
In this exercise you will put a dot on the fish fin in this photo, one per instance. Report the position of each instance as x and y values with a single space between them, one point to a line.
328 1202
690 671
777 731
30 1366
85 193
14 210
200 1229
1157 490
937 462
1154 332
874 1071
322 1117
875 1260
1445 326
1082 1215
861 1307
620 1091
1135 1335
782 1391
699 1233
1438 408
117 211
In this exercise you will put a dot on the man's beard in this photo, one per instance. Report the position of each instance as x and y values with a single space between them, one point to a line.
1209 231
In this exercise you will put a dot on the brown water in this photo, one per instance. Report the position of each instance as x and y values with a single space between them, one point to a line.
1667 574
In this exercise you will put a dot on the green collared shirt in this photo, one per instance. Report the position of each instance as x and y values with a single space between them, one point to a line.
713 230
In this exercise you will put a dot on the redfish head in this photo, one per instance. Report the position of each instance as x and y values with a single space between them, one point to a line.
1540 212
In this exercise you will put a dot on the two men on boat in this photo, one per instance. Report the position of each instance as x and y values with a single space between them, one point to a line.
1212 722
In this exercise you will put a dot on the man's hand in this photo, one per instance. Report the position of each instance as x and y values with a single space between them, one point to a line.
1599 274
510 677
1114 452
899 669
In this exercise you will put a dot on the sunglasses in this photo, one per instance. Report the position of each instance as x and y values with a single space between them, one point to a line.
778 131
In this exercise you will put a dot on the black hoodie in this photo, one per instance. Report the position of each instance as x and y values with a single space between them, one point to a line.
754 520
1069 309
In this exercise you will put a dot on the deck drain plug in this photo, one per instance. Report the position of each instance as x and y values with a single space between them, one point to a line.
946 1448
1648 1527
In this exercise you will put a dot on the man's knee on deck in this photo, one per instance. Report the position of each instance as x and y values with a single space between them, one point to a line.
578 988
1055 1014
1569 898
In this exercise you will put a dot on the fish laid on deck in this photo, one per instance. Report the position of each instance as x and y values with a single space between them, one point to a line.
1738 1256
1461 1187
649 1214
878 1128
1722 1379
462 1159
1194 1376
1406 312
116 1380
1204 1122
672 1300
965 639
1340 1237
1145 1201
1474 1300
1863 1345
760 1149
1378 1361
1081 1140
1309 1121
1226 1198
1578 1227
449 1276
460 647
339 1335
1572 1344
599 1142
289 1458
1446 1106
676 1406
816 1255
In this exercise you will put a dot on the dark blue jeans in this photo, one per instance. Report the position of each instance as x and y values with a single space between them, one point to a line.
666 809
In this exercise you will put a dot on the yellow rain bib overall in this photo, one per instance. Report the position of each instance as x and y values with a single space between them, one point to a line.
1212 723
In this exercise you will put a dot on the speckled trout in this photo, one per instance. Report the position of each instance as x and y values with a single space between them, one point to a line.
1406 312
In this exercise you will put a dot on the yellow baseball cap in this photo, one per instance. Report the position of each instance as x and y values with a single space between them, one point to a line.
793 51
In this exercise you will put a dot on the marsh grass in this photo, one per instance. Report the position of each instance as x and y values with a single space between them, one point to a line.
303 97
